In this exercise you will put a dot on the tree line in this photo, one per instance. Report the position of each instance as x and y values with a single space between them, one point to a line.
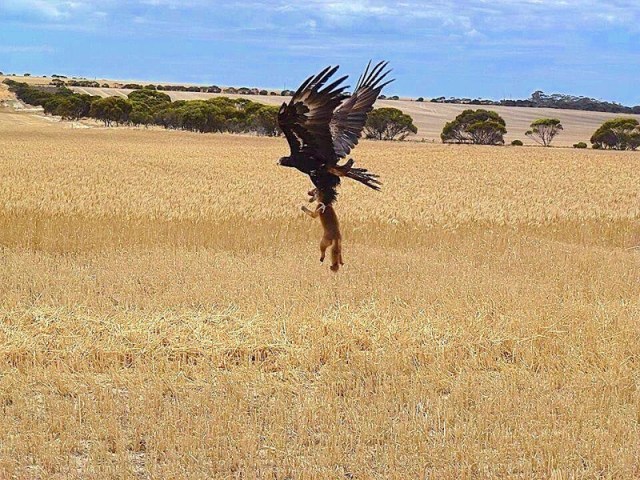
151 107
147 106
539 99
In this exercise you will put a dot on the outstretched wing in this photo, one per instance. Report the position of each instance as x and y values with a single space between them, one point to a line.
305 119
349 119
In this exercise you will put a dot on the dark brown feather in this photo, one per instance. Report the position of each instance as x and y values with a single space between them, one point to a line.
322 125
349 119
305 119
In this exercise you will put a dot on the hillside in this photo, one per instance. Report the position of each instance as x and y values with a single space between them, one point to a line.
428 117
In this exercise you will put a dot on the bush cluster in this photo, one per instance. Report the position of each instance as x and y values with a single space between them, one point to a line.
151 107
482 127
621 133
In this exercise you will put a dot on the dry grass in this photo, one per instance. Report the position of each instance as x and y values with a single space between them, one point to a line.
163 313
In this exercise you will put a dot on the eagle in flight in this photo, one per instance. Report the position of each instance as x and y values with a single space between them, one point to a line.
322 124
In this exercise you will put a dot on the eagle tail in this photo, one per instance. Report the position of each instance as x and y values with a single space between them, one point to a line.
362 175
365 177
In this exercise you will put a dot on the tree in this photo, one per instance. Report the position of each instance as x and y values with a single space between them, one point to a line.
389 124
111 110
482 127
71 106
264 121
544 130
617 134
152 98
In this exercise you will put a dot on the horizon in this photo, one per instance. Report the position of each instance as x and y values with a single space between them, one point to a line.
505 50
143 82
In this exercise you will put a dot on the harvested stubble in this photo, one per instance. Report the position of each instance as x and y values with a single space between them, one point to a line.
163 313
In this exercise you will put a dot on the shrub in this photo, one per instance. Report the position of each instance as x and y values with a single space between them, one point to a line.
580 145
482 127
420 99
389 124
517 143
111 110
618 134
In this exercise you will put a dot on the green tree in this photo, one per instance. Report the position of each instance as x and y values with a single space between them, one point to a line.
73 107
264 121
111 110
618 134
144 105
389 124
482 127
544 130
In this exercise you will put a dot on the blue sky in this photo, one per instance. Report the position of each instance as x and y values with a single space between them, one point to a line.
476 48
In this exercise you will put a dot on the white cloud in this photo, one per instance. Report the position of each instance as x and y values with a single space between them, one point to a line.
35 7
57 10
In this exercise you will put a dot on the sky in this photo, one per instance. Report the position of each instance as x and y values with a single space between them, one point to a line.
477 48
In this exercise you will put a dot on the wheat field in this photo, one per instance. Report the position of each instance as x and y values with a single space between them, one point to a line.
163 313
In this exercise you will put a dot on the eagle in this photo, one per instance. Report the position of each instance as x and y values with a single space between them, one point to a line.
322 124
